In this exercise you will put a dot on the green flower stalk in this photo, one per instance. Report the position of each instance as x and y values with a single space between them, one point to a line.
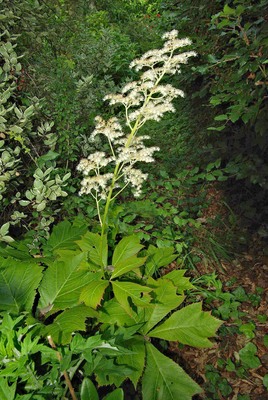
145 99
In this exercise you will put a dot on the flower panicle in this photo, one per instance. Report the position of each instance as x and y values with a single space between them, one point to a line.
144 99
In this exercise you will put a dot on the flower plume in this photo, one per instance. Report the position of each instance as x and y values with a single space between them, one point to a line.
143 100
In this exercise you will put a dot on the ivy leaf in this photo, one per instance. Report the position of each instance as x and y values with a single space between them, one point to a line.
137 293
126 248
165 380
18 284
64 236
248 356
96 246
190 325
92 294
62 283
68 322
126 265
166 300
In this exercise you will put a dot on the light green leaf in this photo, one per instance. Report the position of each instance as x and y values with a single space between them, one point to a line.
62 283
18 284
166 300
178 279
96 246
117 394
92 294
114 313
165 380
126 248
137 293
88 390
64 236
221 117
228 10
126 265
7 392
68 322
158 258
4 229
190 325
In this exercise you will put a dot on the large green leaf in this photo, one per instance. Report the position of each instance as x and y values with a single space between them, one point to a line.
64 236
68 322
136 360
114 313
126 265
165 380
108 372
126 248
96 246
190 325
126 291
166 300
18 283
92 294
62 283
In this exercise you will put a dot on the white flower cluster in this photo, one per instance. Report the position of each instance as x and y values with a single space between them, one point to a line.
144 99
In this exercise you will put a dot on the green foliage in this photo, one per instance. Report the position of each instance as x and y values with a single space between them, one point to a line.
28 172
115 298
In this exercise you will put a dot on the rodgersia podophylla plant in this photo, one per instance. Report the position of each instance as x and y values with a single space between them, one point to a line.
145 99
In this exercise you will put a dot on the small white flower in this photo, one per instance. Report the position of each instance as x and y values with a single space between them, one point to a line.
143 100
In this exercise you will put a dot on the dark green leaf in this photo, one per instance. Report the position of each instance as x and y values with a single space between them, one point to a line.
88 390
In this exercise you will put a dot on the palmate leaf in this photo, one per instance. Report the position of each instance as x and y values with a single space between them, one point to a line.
64 236
92 294
166 300
138 294
18 283
68 322
165 380
96 246
190 325
62 283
